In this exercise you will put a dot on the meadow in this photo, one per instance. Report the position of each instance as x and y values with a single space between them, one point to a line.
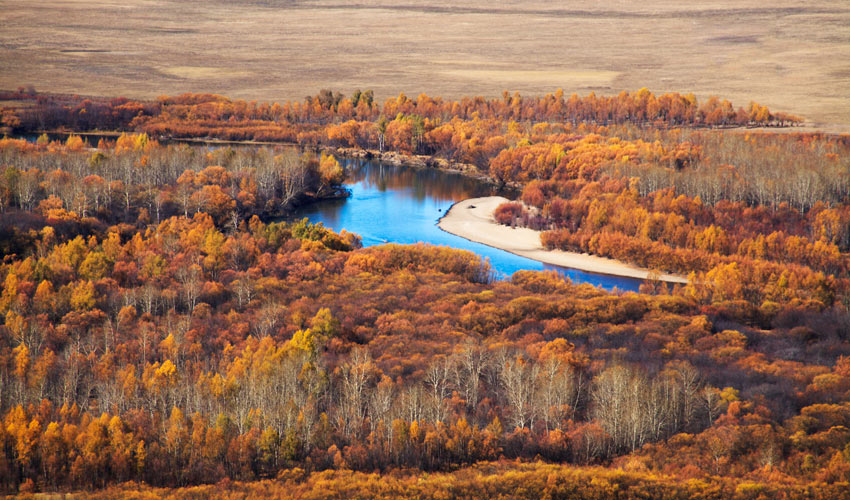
787 56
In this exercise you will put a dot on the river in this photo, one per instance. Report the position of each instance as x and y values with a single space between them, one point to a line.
393 204
402 205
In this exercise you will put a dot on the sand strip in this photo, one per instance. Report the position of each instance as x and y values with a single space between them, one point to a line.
473 219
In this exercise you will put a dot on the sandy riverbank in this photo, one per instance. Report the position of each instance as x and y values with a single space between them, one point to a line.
473 219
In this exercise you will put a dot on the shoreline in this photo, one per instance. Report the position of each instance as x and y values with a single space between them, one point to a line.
414 161
389 157
472 219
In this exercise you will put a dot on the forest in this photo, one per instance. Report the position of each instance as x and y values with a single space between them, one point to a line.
165 334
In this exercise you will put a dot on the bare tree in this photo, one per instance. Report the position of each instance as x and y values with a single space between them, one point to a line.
711 398
190 278
267 176
414 405
27 188
555 394
354 378
634 409
519 378
381 402
469 364
243 288
294 175
437 377
616 395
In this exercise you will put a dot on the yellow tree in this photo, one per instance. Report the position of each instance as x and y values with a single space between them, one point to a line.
82 295
176 439
331 173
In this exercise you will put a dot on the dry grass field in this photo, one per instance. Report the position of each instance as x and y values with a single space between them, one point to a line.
792 56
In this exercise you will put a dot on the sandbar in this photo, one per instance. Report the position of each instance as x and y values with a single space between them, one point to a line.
473 219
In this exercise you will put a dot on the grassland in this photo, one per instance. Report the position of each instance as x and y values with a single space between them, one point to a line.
790 56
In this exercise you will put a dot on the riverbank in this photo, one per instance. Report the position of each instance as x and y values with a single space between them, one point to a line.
473 219
390 157
421 161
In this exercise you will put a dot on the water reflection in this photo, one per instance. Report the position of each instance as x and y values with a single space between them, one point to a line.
419 183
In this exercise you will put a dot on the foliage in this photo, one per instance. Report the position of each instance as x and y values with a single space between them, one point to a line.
158 329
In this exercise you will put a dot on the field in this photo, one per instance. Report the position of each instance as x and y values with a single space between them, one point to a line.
789 57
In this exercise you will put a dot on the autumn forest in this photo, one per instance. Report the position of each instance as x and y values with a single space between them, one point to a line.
168 331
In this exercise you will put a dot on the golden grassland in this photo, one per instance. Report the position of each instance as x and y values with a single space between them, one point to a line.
789 56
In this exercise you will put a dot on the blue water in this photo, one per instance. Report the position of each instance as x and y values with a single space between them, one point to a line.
391 204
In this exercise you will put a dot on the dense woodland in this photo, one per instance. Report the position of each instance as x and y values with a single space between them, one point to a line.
159 328
426 125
